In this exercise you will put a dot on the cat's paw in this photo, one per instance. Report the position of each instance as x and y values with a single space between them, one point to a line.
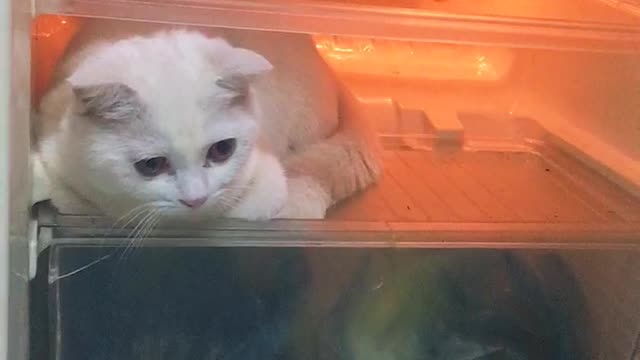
254 212
267 195
306 200
260 205
308 211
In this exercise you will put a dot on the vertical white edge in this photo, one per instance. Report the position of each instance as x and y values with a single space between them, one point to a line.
15 178
5 85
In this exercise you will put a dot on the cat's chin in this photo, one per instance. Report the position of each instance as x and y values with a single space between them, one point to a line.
181 215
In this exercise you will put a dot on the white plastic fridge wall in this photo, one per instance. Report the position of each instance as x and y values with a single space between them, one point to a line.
591 101
5 27
15 30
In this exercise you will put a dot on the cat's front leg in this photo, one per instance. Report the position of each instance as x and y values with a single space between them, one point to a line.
306 199
273 195
267 193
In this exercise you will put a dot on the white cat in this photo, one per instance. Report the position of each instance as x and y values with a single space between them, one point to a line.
183 124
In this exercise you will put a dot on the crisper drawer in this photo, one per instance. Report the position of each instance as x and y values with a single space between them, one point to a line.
170 301
295 290
183 302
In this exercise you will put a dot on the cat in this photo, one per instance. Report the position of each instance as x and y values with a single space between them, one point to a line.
199 123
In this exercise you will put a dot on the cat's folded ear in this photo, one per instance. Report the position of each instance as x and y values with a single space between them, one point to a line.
239 67
111 101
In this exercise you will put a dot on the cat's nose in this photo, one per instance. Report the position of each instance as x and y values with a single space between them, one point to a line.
194 203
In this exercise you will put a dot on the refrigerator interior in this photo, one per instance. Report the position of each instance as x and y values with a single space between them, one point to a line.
512 150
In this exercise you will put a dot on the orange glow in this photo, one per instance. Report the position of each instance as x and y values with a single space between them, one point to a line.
50 35
426 61
620 12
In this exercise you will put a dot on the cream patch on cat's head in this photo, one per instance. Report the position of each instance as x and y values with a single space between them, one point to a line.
166 120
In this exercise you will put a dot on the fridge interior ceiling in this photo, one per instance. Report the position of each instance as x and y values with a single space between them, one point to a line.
586 25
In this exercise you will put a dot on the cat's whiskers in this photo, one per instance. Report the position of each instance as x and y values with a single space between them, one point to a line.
229 196
135 211
132 213
144 231
227 202
138 228
152 225
237 187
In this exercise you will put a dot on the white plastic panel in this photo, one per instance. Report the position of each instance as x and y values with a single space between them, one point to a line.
5 86
15 29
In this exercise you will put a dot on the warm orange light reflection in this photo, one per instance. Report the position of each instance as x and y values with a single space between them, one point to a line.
414 60
50 36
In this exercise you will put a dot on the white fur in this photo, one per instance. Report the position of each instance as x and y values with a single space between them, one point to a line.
89 161
267 195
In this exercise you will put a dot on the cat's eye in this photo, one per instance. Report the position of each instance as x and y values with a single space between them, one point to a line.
152 167
221 151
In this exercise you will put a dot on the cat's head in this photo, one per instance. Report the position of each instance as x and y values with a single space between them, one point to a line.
167 120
